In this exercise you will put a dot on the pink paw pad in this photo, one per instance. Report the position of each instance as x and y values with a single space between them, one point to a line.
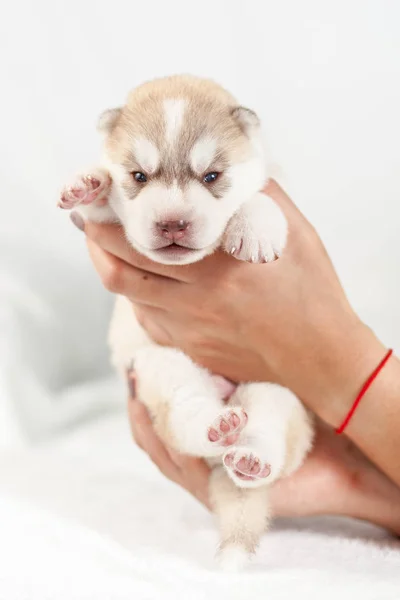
85 190
246 466
227 428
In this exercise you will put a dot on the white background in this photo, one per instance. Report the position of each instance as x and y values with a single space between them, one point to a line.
324 77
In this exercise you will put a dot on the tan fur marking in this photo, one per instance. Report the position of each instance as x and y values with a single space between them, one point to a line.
208 113
243 514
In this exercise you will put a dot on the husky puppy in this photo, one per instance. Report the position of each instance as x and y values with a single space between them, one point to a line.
182 172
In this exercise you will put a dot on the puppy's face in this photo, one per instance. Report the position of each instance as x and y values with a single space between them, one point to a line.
183 157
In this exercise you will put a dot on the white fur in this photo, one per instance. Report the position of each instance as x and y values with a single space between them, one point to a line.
278 431
174 109
243 515
209 217
276 420
146 154
167 376
258 233
181 396
202 154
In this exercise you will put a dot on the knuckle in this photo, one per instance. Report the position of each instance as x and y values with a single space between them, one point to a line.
113 277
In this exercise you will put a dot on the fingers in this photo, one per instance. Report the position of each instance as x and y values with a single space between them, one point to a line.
141 287
146 438
194 476
111 238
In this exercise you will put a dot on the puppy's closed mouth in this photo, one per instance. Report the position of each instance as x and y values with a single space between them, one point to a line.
175 249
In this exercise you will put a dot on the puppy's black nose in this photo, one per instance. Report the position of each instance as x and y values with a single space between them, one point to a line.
173 230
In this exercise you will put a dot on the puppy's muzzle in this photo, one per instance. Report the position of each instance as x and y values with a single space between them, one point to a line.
173 231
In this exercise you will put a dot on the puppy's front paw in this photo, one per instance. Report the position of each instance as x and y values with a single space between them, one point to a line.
257 233
86 189
245 467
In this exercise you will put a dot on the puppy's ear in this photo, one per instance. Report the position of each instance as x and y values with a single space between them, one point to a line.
108 120
246 118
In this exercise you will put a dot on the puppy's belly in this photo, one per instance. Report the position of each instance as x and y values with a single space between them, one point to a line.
127 336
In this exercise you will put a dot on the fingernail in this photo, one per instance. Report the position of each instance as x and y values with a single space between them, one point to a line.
77 220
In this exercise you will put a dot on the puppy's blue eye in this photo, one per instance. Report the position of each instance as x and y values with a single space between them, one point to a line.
139 177
211 177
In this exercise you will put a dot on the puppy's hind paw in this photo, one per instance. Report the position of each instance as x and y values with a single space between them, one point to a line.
245 467
227 427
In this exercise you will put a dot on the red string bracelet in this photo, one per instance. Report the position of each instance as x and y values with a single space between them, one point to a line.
363 391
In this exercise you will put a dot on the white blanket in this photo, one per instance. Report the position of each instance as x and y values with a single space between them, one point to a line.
87 517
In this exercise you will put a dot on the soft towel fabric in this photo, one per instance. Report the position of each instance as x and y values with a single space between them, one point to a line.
87 516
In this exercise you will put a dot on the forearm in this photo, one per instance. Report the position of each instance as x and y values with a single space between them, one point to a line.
375 426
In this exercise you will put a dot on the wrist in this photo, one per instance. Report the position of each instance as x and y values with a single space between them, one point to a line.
354 355
341 364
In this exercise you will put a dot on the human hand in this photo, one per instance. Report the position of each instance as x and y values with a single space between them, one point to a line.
336 479
287 322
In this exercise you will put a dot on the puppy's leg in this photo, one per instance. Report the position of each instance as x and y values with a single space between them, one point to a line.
183 399
243 516
185 403
257 232
277 438
89 194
